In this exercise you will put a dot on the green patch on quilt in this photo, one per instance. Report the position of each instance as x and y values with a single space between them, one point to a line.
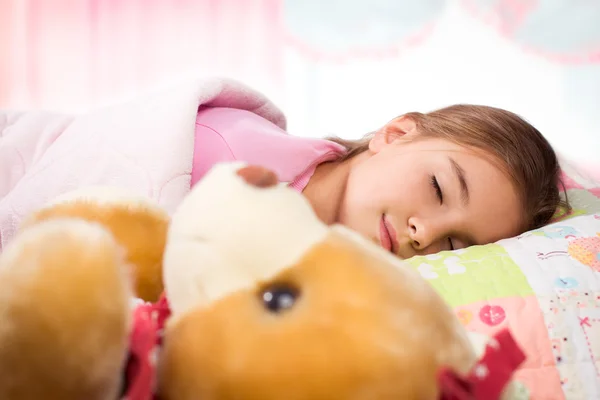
474 274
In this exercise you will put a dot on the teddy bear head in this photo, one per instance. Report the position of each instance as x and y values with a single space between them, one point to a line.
268 302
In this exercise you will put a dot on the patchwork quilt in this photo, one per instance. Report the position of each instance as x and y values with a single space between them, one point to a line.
544 285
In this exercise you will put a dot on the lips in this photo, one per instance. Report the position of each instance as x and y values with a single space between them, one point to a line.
387 235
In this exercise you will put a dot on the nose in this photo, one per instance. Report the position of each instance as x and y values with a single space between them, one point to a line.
416 231
425 233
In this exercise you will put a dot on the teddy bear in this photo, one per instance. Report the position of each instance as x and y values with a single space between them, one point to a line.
243 293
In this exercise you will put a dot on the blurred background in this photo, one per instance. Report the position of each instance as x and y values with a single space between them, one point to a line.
334 66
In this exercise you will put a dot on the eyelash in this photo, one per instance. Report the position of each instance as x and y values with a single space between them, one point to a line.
437 188
440 196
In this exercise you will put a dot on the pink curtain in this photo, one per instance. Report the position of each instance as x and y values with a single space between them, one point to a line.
333 69
75 54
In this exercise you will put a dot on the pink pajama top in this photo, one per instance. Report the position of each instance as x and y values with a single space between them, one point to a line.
227 134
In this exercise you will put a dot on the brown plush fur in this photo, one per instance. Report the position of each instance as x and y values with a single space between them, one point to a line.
140 230
359 331
64 313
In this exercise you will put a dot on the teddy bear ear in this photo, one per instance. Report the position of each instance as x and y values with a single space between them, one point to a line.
257 176
236 227
138 224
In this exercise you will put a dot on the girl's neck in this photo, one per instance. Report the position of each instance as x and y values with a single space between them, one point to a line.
325 189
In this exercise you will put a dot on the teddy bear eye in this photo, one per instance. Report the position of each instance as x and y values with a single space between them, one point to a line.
279 297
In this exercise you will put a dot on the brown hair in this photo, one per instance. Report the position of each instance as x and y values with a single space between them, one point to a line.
525 154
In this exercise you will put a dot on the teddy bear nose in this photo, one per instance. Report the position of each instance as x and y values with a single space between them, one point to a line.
258 176
279 297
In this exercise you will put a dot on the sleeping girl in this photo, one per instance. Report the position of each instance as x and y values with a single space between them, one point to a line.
422 183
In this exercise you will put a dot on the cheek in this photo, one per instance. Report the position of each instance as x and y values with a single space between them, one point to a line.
385 182
411 188
506 217
498 212
364 198
359 197
366 183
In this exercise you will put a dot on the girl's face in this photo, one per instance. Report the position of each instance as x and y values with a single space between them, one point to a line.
427 195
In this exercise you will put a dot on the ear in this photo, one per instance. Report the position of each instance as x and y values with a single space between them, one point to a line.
391 132
258 176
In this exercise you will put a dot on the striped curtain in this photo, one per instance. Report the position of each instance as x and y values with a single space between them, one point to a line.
340 67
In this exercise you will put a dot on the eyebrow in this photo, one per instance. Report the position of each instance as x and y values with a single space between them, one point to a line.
460 175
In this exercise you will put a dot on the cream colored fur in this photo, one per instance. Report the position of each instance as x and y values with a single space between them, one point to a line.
241 234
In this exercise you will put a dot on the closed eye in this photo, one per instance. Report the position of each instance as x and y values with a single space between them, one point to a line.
437 188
